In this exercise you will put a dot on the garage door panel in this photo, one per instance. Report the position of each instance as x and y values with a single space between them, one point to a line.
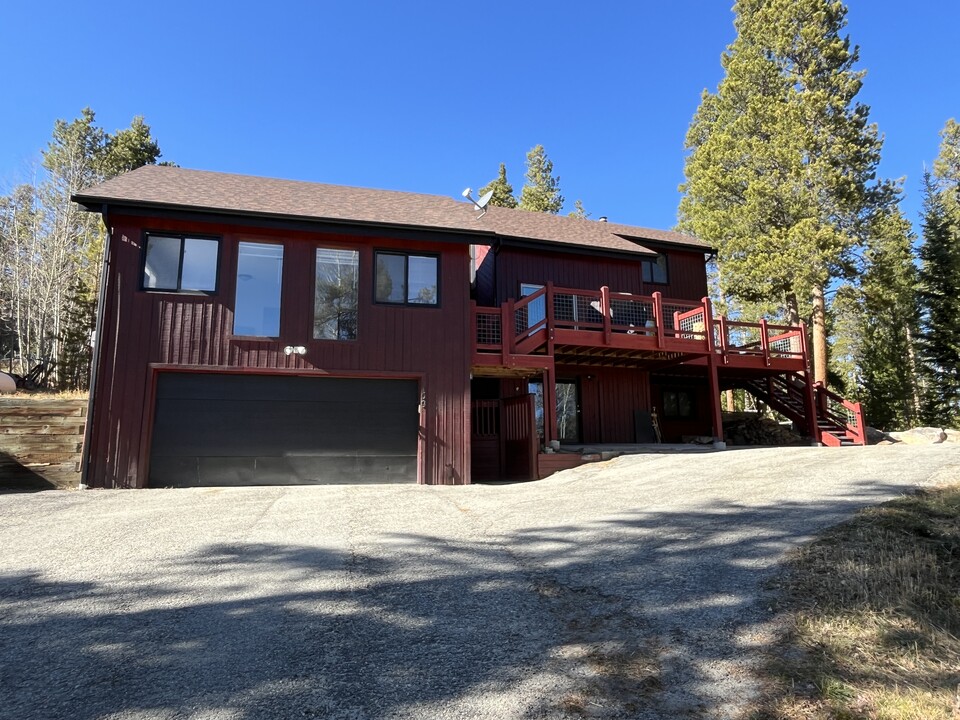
214 429
218 428
272 388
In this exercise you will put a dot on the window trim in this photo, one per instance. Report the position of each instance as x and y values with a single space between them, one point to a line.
313 317
183 237
651 263
406 255
236 288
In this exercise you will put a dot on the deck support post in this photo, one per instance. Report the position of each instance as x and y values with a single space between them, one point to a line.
715 414
809 402
549 406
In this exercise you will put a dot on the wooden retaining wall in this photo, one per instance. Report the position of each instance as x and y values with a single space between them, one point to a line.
40 442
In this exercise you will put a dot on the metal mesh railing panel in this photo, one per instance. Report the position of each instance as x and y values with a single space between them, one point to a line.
529 314
572 309
632 313
488 329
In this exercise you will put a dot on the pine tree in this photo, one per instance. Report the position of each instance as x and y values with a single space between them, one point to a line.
939 292
541 192
579 211
886 324
502 190
781 159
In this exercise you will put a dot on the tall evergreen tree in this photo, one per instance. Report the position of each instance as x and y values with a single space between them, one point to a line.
502 190
541 191
886 324
781 160
939 292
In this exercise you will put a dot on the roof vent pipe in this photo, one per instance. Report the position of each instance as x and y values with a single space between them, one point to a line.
602 218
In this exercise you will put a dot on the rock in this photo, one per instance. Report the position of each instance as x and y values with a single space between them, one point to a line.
923 436
878 437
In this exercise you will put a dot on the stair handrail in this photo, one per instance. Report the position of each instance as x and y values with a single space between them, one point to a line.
856 428
524 304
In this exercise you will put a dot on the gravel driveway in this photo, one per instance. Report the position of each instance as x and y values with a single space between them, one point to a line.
630 589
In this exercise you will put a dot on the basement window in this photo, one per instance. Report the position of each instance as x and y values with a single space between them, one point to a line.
180 263
678 404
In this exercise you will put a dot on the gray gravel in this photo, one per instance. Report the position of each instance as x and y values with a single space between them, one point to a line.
631 589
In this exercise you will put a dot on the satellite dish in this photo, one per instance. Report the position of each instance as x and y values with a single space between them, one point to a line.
480 204
484 200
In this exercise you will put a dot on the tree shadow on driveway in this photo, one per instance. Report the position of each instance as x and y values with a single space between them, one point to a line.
645 614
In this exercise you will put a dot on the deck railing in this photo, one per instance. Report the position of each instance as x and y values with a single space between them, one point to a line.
760 339
524 326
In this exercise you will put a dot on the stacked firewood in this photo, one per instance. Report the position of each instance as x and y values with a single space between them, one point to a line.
752 429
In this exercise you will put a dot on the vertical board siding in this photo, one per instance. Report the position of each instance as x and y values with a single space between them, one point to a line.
195 332
687 273
608 399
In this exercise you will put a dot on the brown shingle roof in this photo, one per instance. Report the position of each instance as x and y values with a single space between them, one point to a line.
170 187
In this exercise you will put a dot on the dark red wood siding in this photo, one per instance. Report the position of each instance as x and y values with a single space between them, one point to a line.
509 267
608 399
189 332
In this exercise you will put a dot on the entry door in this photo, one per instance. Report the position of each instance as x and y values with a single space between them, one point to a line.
568 411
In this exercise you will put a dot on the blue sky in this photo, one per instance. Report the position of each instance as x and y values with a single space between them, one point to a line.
432 96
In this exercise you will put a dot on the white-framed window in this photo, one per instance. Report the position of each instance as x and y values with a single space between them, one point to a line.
335 294
259 284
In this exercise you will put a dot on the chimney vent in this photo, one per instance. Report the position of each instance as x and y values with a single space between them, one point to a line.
602 218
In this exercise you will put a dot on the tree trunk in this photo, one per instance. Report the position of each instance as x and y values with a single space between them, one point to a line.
819 335
793 309
914 376
731 407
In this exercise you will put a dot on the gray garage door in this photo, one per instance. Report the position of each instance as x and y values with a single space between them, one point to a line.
214 429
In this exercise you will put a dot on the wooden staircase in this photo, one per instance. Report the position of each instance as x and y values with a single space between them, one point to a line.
837 421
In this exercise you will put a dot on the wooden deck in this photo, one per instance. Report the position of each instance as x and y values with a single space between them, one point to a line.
604 328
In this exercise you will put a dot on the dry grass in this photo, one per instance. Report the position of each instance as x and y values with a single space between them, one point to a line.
21 394
875 606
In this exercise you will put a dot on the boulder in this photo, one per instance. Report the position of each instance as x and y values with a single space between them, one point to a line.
7 383
923 436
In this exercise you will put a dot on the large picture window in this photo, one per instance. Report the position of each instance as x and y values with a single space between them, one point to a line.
404 279
259 275
335 295
655 270
177 263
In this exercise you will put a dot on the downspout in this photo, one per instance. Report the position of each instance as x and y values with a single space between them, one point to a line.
95 360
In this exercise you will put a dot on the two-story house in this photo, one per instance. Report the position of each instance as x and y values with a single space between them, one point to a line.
262 331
